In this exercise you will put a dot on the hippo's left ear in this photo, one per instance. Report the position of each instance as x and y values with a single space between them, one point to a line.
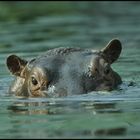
16 65
112 50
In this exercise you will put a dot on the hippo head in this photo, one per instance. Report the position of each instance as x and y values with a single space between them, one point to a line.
100 67
30 80
35 77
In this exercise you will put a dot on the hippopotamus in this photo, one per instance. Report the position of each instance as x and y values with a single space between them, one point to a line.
65 71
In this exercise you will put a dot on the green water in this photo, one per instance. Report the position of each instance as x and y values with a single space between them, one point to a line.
29 29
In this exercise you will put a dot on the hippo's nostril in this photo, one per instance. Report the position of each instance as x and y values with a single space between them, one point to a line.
43 86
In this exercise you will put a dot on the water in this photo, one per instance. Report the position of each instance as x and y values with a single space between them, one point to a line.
112 114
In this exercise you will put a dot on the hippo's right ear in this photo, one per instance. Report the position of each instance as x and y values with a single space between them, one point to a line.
112 50
16 65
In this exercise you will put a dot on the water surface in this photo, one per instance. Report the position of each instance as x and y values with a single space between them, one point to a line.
112 114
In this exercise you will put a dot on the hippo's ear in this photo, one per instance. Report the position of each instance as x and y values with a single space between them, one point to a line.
112 50
16 65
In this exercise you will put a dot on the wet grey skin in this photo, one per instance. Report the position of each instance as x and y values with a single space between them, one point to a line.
65 71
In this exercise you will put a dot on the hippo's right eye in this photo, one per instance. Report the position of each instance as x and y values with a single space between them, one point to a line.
107 69
34 81
96 70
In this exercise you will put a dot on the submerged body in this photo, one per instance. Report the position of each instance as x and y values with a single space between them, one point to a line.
65 71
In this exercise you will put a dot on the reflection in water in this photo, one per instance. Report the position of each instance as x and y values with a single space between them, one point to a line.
58 109
114 131
103 107
30 108
63 106
88 24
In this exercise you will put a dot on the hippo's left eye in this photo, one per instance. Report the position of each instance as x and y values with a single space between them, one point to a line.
34 81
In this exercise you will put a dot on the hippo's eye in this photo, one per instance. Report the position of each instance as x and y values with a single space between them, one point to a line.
107 70
96 70
34 81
